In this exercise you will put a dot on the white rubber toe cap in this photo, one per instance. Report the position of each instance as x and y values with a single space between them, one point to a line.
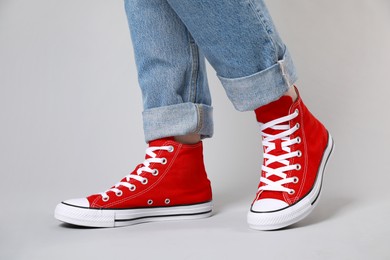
264 205
81 202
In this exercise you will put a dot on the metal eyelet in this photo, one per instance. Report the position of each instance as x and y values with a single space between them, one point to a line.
155 172
297 125
298 140
164 161
167 201
295 179
133 188
118 194
291 192
298 167
150 202
171 149
105 199
144 181
299 153
297 111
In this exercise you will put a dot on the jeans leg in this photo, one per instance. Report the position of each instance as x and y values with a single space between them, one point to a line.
171 72
240 41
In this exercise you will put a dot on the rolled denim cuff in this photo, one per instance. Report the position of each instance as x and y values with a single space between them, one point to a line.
179 119
253 91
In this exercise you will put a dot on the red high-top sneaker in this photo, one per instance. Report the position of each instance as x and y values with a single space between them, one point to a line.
170 184
296 149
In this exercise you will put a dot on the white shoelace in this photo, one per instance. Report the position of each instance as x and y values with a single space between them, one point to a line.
138 177
269 145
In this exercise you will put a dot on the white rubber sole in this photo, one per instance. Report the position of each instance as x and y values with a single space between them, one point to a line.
292 214
123 217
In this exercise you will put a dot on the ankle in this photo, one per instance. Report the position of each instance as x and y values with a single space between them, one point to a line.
188 139
291 92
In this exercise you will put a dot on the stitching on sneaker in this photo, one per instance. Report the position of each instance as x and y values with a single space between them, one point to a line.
151 186
136 176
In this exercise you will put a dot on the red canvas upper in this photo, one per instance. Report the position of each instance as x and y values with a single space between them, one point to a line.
181 181
314 139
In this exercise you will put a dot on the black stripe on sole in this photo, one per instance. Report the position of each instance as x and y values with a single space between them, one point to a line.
159 216
151 207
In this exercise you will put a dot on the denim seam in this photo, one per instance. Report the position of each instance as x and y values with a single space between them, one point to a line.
284 74
199 110
260 17
194 68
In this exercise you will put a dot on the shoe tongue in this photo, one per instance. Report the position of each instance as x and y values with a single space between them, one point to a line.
274 110
160 142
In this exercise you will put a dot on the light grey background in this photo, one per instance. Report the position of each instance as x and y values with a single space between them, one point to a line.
70 125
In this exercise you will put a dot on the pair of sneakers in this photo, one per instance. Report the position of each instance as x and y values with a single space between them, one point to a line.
172 182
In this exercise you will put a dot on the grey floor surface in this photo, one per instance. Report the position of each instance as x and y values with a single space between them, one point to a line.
70 125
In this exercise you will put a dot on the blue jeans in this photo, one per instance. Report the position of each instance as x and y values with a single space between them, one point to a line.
172 38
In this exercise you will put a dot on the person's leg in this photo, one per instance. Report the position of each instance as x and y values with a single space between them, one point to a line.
171 72
241 43
171 183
